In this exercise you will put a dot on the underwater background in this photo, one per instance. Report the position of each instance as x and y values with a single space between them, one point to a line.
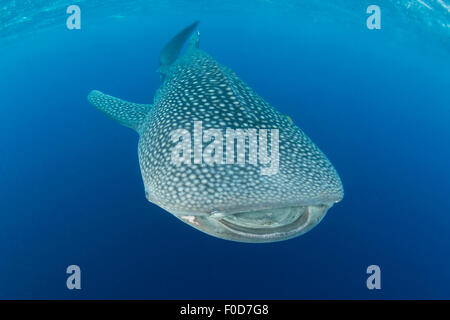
376 102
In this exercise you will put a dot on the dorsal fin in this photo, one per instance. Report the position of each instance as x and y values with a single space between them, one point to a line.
194 41
170 52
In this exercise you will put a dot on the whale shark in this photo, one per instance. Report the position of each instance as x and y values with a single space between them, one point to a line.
231 198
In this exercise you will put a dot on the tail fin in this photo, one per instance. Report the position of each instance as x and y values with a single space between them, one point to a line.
170 52
127 113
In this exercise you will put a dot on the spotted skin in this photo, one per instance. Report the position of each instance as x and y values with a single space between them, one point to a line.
197 88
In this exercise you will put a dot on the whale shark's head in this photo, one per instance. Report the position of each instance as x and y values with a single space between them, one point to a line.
240 202
217 156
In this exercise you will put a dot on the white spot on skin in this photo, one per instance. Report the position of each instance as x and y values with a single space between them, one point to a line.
190 219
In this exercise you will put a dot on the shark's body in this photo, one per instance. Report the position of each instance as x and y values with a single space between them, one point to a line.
230 201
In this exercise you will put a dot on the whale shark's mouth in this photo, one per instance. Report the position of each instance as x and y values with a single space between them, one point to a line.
266 225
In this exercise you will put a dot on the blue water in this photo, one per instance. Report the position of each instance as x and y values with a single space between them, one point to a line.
375 101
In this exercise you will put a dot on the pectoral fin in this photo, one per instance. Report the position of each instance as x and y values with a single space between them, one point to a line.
127 113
